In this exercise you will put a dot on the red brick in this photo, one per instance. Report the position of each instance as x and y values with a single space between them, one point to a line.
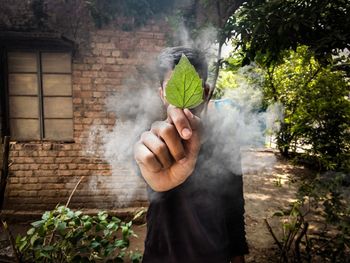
33 166
86 87
87 121
112 81
105 45
73 153
112 68
29 186
77 100
43 153
106 53
14 153
116 53
23 193
65 172
81 172
97 67
45 173
52 167
61 154
45 160
83 80
98 94
86 94
46 180
64 159
97 122
72 166
13 180
110 60
49 166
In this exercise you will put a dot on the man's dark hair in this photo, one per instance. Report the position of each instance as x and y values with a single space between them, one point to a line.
170 56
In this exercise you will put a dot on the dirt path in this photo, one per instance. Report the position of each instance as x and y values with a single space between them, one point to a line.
266 189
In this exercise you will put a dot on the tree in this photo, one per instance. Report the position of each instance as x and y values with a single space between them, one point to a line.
317 109
270 27
303 47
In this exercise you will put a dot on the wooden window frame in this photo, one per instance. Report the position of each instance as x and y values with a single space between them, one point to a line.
5 91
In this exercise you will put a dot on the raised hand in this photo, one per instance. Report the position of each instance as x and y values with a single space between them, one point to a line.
167 154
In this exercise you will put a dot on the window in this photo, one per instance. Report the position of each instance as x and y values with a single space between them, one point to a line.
40 95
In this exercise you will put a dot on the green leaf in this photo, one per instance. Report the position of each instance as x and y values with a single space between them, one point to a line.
87 226
23 245
61 227
278 213
33 239
95 244
85 217
119 243
102 216
18 239
46 215
184 89
37 224
78 213
31 231
48 248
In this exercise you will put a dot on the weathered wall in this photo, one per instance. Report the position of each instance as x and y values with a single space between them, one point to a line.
43 174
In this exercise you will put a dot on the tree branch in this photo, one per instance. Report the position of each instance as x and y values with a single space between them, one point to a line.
75 188
298 240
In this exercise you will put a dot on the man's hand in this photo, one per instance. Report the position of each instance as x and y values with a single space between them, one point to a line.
167 154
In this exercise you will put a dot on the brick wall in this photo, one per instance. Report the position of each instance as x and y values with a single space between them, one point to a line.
43 174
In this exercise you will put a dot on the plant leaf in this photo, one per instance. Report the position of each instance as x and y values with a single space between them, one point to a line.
184 89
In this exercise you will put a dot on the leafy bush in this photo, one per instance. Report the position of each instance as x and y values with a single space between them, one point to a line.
316 109
320 203
63 235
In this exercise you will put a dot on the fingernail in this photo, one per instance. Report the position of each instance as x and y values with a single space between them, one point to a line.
186 133
189 113
182 160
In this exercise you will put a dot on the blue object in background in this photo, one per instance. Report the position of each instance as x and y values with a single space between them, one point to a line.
224 103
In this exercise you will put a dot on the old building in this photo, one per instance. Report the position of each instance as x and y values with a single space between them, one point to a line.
53 89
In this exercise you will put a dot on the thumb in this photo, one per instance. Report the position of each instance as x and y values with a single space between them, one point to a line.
192 145
194 121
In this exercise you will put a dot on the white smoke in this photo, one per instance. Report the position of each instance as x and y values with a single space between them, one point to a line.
136 107
236 121
241 125
137 110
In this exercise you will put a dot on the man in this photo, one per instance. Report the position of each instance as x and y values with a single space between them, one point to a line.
196 211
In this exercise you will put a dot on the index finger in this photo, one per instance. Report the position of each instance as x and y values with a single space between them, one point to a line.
177 117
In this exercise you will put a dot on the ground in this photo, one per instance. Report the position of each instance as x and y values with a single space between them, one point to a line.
267 188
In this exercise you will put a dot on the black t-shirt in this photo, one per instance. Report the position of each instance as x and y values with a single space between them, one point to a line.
201 220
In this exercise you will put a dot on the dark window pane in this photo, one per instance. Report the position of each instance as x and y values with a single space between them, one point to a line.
25 129
58 107
56 62
23 84
22 62
59 129
57 85
24 107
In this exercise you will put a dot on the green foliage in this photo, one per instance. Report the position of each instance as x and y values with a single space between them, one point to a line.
233 76
317 109
63 235
184 89
226 80
271 27
328 240
140 11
